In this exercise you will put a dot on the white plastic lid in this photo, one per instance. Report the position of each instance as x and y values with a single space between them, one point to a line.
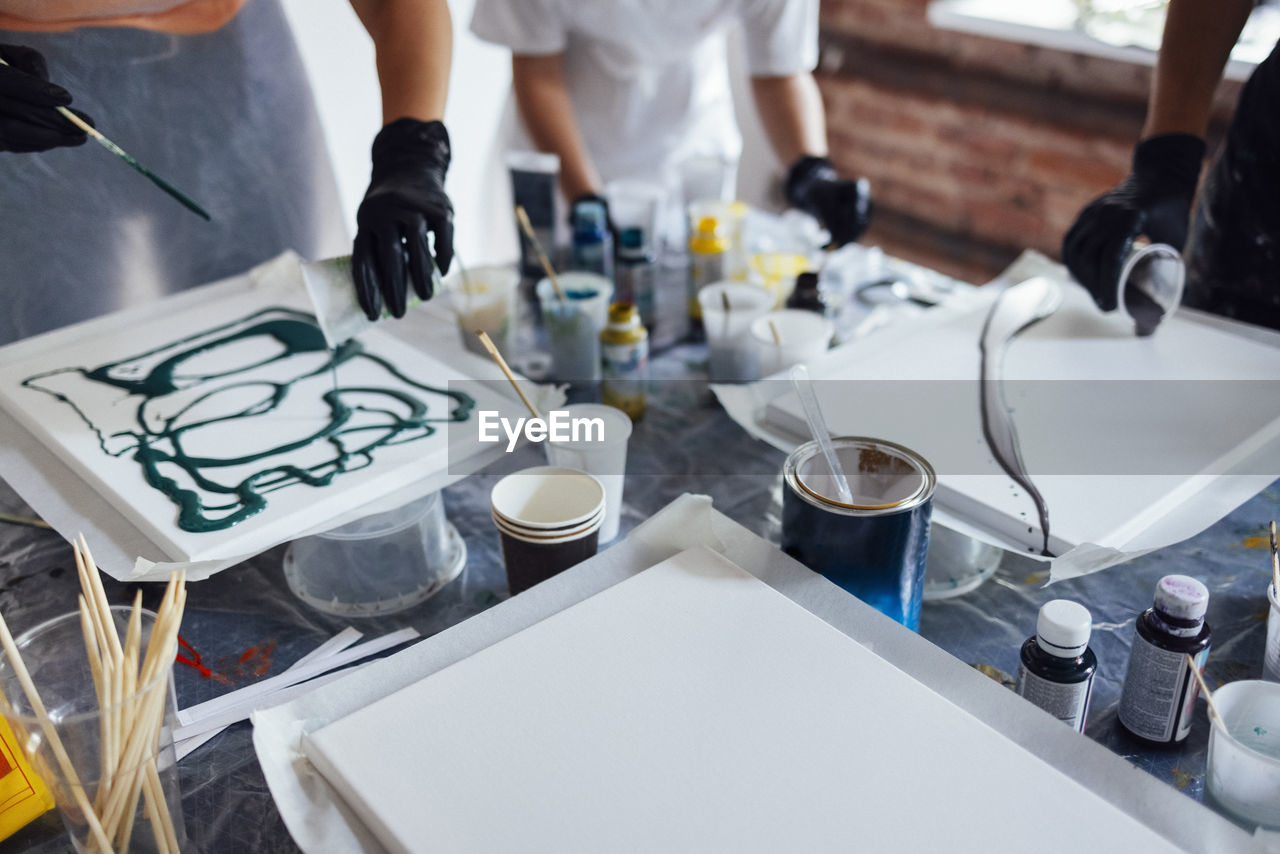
1063 628
1182 597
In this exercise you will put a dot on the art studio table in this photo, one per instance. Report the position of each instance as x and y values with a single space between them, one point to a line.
685 443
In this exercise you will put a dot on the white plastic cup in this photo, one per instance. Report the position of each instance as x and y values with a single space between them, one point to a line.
604 457
1271 654
636 204
707 177
548 519
484 299
802 336
574 325
731 354
1244 762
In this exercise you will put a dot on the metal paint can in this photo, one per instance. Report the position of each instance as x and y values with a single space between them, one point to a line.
874 547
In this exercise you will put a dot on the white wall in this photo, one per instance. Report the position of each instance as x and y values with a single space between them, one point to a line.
340 60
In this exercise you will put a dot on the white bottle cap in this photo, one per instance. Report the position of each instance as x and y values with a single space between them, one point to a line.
1063 628
1182 597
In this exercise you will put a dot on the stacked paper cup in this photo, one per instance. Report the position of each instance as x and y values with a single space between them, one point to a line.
549 519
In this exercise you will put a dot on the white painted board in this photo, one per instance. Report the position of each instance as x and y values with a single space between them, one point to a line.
60 409
1170 413
694 708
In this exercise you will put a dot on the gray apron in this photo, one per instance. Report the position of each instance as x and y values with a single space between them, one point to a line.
226 116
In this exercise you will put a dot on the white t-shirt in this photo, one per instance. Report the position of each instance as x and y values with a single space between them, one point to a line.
649 78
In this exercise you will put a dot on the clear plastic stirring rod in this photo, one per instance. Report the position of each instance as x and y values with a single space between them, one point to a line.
818 427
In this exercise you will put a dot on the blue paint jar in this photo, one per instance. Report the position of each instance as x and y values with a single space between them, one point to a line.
875 546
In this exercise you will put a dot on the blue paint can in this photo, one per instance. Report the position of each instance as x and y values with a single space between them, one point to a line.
875 546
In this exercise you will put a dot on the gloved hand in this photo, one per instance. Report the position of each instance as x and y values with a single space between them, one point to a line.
1154 200
28 118
843 206
404 202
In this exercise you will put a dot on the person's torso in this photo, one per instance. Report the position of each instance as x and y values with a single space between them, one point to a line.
170 16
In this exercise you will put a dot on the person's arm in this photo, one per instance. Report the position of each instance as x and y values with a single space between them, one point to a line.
791 111
413 40
405 222
542 96
1197 41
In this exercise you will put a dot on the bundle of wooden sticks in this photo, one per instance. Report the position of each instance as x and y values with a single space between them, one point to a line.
131 697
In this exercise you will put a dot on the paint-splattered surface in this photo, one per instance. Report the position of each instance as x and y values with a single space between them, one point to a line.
244 624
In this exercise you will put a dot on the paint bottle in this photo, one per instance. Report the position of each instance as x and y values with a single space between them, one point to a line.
806 295
624 349
636 273
1159 694
707 249
592 249
1057 668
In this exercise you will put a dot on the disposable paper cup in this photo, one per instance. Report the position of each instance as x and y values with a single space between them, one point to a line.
605 458
802 337
1244 762
55 656
574 325
547 498
731 353
534 535
380 564
1271 656
484 299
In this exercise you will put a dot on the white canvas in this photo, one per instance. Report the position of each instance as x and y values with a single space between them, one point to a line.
694 708
1195 426
94 426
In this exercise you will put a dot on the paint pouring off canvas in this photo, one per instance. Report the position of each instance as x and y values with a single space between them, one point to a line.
224 427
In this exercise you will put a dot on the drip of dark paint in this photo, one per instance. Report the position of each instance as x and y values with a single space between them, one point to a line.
297 333
1005 448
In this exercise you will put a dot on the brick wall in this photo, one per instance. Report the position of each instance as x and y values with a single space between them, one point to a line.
976 148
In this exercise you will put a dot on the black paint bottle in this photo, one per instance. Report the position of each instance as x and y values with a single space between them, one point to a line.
1057 668
1159 692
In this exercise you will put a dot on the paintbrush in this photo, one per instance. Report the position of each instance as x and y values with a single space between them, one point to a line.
527 228
182 198
1208 698
1275 560
502 363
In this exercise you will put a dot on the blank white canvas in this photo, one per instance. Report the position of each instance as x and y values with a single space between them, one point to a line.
290 510
694 708
1077 344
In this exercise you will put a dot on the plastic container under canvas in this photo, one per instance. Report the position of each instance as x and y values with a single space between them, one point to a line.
380 564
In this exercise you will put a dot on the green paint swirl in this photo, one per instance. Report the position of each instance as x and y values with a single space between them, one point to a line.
161 443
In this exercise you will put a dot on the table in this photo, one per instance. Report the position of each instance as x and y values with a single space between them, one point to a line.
686 443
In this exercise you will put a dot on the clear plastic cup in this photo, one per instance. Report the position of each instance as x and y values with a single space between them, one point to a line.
707 177
1150 285
788 337
54 654
484 299
1244 761
574 325
380 564
602 455
636 204
731 353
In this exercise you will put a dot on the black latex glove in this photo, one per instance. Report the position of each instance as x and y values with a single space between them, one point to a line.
404 202
28 118
843 206
1154 200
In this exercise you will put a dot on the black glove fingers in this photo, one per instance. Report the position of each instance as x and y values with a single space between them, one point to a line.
389 256
23 137
419 259
31 90
25 59
365 276
442 228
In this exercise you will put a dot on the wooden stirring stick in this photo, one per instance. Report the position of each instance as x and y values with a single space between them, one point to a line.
1208 697
527 228
502 363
